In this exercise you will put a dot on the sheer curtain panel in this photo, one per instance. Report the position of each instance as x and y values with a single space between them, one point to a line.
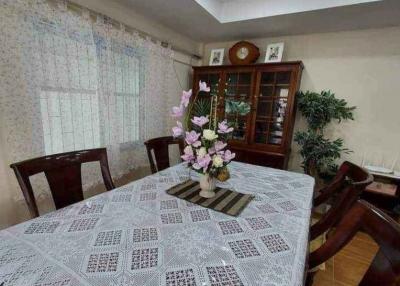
68 82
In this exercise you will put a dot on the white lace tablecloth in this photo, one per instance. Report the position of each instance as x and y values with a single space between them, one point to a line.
139 235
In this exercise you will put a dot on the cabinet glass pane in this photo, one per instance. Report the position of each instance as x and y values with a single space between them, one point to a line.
267 78
243 91
214 79
264 108
283 77
275 133
203 77
245 78
261 127
279 109
232 79
260 137
281 91
266 91
239 123
239 133
275 128
231 90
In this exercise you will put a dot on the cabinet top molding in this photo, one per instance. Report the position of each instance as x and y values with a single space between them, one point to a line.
293 63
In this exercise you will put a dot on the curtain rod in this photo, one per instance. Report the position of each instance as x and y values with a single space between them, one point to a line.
78 9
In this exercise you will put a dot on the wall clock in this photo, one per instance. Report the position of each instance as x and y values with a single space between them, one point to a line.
243 53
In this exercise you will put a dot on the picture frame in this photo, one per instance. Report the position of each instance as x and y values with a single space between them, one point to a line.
274 52
216 57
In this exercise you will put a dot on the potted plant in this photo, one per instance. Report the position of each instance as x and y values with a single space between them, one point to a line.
320 153
205 139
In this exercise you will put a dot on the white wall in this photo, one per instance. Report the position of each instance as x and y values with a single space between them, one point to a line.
363 67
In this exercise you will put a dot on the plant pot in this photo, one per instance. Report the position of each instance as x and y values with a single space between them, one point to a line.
207 186
223 175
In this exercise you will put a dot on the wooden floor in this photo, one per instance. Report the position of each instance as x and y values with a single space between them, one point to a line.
349 265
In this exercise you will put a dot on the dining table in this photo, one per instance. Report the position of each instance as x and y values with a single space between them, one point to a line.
137 234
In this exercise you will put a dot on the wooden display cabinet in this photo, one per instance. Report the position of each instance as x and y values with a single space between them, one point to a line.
263 136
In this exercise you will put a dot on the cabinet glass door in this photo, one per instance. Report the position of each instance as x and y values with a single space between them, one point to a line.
237 102
272 99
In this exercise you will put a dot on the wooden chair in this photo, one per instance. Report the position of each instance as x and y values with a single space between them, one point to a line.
63 173
346 188
385 268
160 148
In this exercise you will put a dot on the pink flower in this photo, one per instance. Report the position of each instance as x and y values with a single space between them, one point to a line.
188 154
202 163
177 130
224 128
185 98
219 145
192 138
203 86
177 111
199 121
228 156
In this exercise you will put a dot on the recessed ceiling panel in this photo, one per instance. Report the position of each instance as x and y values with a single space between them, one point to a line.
226 11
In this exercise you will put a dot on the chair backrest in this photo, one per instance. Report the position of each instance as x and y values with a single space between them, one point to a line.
63 173
160 148
347 187
385 267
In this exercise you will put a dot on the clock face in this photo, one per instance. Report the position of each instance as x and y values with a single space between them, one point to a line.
242 53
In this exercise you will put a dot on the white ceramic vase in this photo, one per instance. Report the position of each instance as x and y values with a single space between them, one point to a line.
207 186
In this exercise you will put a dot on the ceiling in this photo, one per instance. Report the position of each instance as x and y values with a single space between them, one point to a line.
226 11
223 20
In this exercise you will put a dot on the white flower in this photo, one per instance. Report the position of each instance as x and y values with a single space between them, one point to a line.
201 152
218 161
188 150
209 134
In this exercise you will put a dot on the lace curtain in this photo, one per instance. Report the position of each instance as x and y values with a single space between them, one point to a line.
70 83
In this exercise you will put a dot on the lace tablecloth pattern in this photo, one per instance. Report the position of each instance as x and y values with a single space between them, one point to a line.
137 234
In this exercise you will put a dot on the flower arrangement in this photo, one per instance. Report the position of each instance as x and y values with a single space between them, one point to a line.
205 150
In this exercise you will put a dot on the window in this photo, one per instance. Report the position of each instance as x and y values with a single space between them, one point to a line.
70 120
127 96
78 110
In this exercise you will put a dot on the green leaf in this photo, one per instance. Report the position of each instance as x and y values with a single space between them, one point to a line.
320 109
318 152
201 107
236 107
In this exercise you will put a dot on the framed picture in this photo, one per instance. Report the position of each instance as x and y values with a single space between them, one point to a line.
274 53
216 57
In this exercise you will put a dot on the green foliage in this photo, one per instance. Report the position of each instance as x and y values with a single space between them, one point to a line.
319 109
319 153
236 107
201 107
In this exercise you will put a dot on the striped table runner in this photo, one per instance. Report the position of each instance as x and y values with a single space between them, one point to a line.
225 201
